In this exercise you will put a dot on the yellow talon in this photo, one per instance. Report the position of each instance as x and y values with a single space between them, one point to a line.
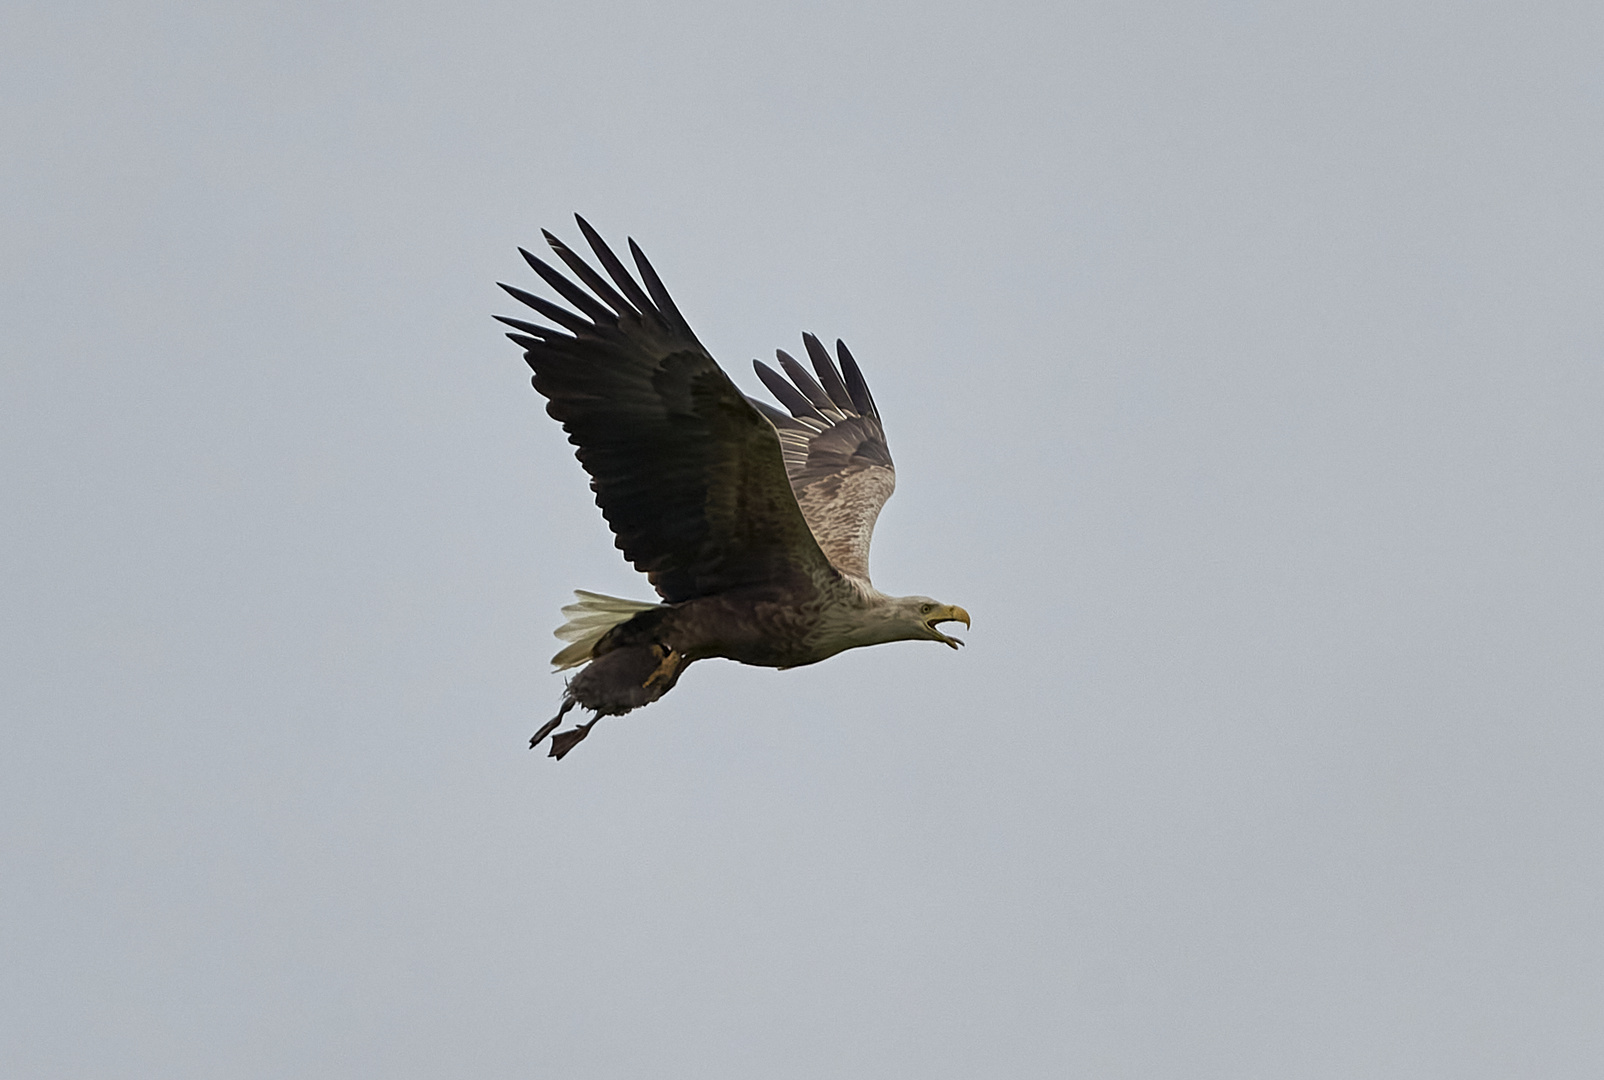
665 666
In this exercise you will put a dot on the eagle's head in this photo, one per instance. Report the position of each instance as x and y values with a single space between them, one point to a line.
922 614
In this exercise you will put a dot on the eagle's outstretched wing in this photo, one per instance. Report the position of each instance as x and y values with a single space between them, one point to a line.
687 473
835 451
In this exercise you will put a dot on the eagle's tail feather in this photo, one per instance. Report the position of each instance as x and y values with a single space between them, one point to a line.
588 622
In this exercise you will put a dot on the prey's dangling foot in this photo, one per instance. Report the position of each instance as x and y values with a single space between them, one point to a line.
564 741
550 725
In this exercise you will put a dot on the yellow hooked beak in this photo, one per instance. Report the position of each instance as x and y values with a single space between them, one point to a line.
947 613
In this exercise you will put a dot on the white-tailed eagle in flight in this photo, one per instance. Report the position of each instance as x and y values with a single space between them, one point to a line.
753 524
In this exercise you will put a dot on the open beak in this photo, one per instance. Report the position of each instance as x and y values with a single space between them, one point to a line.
947 614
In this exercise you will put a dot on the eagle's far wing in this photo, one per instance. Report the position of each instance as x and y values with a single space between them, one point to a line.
687 473
835 451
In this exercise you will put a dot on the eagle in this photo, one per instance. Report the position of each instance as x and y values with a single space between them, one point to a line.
752 523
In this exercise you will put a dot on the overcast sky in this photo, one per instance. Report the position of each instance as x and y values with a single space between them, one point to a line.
1244 369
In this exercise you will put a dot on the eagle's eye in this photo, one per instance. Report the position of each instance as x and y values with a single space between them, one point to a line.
925 609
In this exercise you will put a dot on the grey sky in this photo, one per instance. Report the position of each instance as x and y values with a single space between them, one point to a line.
1242 364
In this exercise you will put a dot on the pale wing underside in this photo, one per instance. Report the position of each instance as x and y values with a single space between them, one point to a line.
835 451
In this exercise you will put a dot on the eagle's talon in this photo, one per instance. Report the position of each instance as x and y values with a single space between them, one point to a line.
665 667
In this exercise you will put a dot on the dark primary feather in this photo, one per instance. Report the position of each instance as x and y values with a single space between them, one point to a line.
566 319
593 281
614 268
665 303
862 400
569 291
828 376
787 394
802 380
688 474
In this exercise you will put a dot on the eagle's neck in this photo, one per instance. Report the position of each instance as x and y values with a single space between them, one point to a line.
866 617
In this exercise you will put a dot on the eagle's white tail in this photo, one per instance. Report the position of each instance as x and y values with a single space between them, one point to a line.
588 621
